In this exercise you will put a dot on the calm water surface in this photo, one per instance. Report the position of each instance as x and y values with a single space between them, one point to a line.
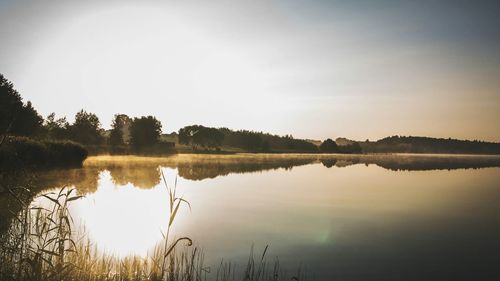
401 217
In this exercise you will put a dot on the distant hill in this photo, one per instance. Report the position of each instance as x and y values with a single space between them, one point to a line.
344 142
315 142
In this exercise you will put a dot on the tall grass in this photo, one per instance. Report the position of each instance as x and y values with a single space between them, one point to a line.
41 244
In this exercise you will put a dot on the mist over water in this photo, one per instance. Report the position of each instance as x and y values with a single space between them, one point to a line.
385 217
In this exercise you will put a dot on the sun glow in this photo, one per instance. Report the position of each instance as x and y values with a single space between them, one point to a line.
138 56
123 220
252 66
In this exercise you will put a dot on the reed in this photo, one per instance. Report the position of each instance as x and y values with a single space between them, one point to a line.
41 244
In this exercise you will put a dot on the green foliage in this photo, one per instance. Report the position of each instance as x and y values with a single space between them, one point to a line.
86 129
145 131
329 146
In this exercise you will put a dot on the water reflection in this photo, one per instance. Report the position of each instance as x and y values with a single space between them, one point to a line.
144 172
345 217
121 219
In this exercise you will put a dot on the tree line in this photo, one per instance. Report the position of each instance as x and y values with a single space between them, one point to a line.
21 119
410 144
199 136
18 118
209 138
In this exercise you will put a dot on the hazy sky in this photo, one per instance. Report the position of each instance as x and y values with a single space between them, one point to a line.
315 69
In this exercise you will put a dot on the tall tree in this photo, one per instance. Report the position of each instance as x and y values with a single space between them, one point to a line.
186 134
10 104
87 128
145 131
329 146
198 135
28 121
56 128
15 117
119 129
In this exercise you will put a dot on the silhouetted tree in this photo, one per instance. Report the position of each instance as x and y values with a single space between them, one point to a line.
208 137
10 104
412 144
28 121
87 128
265 147
145 131
185 135
197 135
57 129
119 129
329 146
16 118
354 147
247 140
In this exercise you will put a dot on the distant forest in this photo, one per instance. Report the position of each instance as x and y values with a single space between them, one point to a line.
24 132
203 137
401 144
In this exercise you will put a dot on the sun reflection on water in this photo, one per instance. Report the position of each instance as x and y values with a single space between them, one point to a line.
336 210
121 219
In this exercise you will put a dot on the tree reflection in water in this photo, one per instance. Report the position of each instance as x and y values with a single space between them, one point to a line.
144 172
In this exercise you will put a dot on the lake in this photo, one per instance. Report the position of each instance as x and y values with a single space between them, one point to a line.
342 217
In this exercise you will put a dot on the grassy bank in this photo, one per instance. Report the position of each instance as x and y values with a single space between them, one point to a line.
20 153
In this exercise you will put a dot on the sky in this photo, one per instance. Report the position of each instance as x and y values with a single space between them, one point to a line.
313 69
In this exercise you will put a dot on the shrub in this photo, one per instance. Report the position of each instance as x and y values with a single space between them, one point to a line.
66 153
29 151
21 152
329 146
